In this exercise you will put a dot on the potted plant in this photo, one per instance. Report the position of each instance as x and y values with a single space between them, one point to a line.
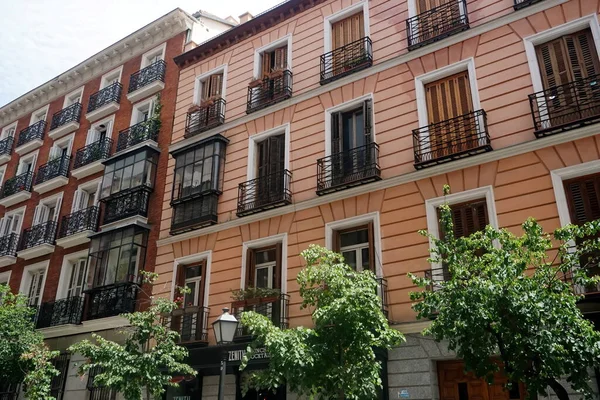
255 82
276 72
194 108
253 295
209 101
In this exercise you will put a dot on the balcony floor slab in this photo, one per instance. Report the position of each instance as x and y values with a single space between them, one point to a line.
36 251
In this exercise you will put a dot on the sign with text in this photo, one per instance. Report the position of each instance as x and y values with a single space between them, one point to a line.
237 355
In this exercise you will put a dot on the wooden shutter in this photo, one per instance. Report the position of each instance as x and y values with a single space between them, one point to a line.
266 64
371 235
250 267
469 217
449 97
347 30
583 198
426 5
336 133
367 116
212 86
336 241
280 55
278 265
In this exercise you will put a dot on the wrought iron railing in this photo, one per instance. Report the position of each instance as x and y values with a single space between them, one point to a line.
39 234
190 322
567 106
346 60
9 244
53 169
194 213
382 292
16 184
32 132
9 391
71 113
98 392
153 72
99 150
276 308
126 204
524 3
451 139
111 93
271 90
6 145
348 168
80 221
264 193
60 312
138 133
110 301
205 118
437 23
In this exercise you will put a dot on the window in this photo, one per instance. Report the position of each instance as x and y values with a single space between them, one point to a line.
47 210
273 60
2 174
61 149
469 217
27 163
73 98
211 87
99 392
57 385
111 77
357 246
130 172
347 30
99 131
86 195
78 278
8 131
269 168
142 112
153 56
35 286
11 223
263 269
191 325
39 115
448 98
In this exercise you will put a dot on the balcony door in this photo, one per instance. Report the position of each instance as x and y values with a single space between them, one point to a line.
34 291
46 212
343 33
190 324
6 133
26 165
357 246
10 224
78 278
263 270
96 134
269 170
212 87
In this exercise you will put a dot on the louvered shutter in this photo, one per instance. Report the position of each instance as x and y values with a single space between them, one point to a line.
448 98
216 82
467 218
336 133
367 118
15 223
266 64
280 58
348 30
278 265
75 204
336 241
92 136
583 56
371 235
583 199
426 5
36 214
250 267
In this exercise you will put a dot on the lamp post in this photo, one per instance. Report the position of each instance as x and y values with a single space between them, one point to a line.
224 327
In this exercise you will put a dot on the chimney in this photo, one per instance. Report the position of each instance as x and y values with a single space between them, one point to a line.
231 20
245 17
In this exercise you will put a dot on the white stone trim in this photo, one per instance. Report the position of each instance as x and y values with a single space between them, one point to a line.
20 210
117 71
80 90
158 49
259 137
110 120
43 109
7 127
191 259
2 174
287 39
65 272
33 156
329 20
135 110
264 242
68 140
198 82
26 277
347 106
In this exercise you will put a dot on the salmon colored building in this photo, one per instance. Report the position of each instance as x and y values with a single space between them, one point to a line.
337 122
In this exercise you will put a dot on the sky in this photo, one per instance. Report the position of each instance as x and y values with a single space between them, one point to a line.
40 39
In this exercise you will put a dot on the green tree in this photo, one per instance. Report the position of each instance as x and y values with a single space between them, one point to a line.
336 358
23 355
506 296
148 358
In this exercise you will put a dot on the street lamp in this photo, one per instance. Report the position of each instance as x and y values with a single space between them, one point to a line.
224 327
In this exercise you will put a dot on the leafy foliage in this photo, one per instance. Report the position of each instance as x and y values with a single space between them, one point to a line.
336 358
507 295
254 293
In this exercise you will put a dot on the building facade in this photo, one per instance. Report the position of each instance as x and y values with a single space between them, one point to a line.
337 122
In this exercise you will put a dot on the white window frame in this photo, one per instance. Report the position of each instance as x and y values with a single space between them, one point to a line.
4 133
193 259
56 200
20 210
259 137
65 272
109 75
347 106
5 278
354 222
158 49
108 121
265 242
286 40
2 174
329 20
33 157
39 111
135 112
199 81
78 92
28 271
66 141
412 10
87 186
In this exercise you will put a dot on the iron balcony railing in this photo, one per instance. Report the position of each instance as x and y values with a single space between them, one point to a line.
16 184
276 308
70 114
152 73
9 391
111 93
80 221
382 292
524 3
6 145
348 168
138 133
9 244
53 169
346 60
451 139
99 150
110 301
194 213
271 90
565 107
39 234
190 322
437 23
60 312
127 204
264 193
32 132
207 117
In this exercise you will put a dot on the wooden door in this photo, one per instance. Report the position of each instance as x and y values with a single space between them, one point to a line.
271 163
344 32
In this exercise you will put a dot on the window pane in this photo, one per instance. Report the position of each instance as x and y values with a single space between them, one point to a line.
265 256
193 272
350 257
354 237
262 277
365 258
138 174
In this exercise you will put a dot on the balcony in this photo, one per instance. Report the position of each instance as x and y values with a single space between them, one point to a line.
127 204
346 60
382 292
138 133
65 121
566 107
6 145
191 323
16 189
31 138
264 193
60 312
205 118
9 391
38 240
194 213
436 24
524 3
349 168
268 91
147 81
76 227
8 249
53 174
88 159
104 102
110 301
276 308
455 138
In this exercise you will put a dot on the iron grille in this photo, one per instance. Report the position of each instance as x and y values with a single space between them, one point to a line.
126 204
271 90
111 93
80 221
205 118
190 322
32 132
348 168
8 245
99 392
70 114
382 292
437 23
99 150
195 213
9 391
437 273
524 3
17 184
451 139
53 169
275 308
57 385
110 301
346 60
138 133
565 107
6 145
152 73
39 234
264 193
60 312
